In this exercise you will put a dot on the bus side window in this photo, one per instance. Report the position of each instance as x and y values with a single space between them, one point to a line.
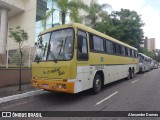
114 48
82 49
123 50
118 49
109 46
129 52
135 54
126 51
98 44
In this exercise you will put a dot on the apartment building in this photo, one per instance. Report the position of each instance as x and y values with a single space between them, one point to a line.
149 44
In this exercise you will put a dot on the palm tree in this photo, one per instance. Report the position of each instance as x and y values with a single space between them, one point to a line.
74 15
46 17
69 7
95 12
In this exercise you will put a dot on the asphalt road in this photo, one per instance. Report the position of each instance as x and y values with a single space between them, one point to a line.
139 94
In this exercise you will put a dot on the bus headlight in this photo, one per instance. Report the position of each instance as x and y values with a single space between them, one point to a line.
34 83
61 86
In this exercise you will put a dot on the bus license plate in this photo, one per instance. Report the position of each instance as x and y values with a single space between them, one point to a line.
45 86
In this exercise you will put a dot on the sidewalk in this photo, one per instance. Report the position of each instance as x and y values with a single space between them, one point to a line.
13 90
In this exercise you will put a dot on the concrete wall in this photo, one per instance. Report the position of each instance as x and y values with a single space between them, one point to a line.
27 21
9 77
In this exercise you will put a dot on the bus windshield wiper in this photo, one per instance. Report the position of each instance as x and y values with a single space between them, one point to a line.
53 56
51 53
60 48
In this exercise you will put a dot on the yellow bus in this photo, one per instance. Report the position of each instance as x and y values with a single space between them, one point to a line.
73 58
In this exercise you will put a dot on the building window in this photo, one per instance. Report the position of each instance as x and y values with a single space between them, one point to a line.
43 6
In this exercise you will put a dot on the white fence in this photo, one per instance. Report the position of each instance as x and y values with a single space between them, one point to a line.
12 58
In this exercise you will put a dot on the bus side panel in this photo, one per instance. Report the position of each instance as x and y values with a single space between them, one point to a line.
112 72
82 81
117 72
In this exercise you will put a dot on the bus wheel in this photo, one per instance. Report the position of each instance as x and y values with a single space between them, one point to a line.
132 73
97 84
129 74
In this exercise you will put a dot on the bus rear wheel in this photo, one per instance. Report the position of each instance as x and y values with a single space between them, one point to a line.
129 75
97 84
132 73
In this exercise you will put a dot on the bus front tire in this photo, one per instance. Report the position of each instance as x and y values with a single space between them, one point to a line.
97 84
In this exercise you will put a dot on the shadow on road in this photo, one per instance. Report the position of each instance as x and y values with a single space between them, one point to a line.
65 98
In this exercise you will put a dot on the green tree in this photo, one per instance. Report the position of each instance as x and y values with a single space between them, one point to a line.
131 24
157 55
96 12
124 25
150 54
143 50
74 15
19 36
46 17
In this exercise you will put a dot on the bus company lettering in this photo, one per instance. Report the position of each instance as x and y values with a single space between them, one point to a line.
55 70
28 114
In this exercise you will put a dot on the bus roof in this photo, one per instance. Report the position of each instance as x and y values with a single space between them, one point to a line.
87 29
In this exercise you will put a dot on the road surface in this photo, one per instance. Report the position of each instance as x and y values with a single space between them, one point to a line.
139 94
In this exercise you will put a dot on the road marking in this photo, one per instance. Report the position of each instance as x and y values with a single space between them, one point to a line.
106 98
135 81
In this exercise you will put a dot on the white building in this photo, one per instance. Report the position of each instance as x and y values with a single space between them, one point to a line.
15 13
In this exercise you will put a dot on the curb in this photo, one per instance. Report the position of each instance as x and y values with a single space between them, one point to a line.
23 95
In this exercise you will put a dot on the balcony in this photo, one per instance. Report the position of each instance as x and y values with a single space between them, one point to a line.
15 6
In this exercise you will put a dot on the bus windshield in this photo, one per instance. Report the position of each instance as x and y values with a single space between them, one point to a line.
57 45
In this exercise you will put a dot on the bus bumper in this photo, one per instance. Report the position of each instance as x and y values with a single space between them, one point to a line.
57 86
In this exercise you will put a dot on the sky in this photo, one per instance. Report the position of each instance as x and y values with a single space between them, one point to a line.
149 11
